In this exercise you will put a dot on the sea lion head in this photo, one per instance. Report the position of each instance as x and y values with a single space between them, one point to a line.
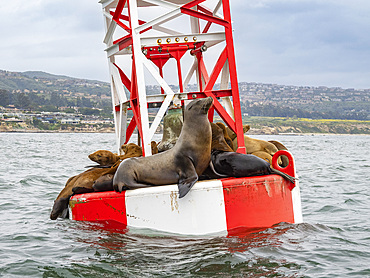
228 140
104 157
218 139
200 105
264 155
131 150
232 134
154 147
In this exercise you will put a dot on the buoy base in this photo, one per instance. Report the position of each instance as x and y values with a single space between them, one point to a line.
211 207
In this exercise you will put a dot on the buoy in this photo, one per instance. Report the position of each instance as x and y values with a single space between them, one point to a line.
223 206
220 206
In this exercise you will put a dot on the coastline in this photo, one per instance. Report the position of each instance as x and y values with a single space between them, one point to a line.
259 126
254 133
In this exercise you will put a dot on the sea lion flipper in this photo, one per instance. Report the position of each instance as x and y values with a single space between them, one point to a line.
59 208
104 183
186 184
81 190
284 175
99 166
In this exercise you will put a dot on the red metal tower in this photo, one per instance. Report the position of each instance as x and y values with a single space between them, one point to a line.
148 34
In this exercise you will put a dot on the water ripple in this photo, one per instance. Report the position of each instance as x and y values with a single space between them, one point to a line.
332 242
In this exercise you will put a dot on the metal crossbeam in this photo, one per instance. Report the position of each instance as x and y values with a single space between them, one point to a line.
150 53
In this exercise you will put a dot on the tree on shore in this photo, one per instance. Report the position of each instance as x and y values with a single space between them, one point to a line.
4 98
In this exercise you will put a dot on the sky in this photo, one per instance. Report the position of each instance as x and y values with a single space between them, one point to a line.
287 42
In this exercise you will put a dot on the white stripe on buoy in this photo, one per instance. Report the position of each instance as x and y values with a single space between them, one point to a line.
297 206
200 212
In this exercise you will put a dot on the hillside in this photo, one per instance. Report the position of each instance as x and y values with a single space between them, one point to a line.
42 82
41 90
276 125
305 101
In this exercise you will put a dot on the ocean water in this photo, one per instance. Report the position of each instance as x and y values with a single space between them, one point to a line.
333 240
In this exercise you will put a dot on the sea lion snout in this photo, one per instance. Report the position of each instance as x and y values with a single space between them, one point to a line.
201 105
207 104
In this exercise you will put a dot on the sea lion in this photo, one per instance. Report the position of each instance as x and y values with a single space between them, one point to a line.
182 164
255 145
104 157
218 143
84 182
130 150
280 146
154 146
227 138
233 164
218 138
105 182
264 155
232 134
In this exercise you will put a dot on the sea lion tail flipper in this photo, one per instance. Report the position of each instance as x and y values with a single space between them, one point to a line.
185 185
65 213
60 208
99 166
286 176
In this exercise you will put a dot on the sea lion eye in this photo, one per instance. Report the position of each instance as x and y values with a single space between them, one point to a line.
190 105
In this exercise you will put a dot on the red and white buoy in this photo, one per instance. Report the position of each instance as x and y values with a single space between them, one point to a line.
214 206
223 206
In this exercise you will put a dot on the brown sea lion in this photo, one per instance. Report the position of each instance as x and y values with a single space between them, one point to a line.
219 141
181 164
131 150
84 182
105 183
278 145
264 155
283 158
227 138
80 183
232 134
154 146
255 145
104 157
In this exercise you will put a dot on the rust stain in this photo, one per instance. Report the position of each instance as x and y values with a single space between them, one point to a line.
135 217
73 203
268 188
132 216
174 202
117 210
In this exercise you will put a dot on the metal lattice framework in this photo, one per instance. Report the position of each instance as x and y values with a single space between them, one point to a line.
126 36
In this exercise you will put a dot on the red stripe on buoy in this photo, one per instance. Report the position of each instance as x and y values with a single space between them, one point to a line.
99 206
257 202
